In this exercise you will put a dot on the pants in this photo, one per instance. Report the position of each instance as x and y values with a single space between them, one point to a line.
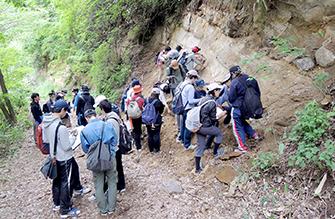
137 132
75 178
185 134
121 184
179 119
210 139
241 128
201 136
35 125
61 186
154 137
106 203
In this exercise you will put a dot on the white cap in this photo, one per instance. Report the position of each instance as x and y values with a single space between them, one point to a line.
98 100
156 90
226 77
214 86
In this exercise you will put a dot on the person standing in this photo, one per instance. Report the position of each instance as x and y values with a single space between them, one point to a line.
241 128
85 102
57 135
47 106
175 75
36 111
94 131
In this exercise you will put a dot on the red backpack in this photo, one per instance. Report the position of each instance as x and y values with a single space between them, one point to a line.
44 147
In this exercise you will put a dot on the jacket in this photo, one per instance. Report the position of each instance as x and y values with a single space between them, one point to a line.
159 107
92 132
36 111
175 76
83 98
237 90
140 100
115 120
64 143
208 112
188 95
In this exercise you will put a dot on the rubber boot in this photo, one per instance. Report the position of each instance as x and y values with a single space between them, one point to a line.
197 164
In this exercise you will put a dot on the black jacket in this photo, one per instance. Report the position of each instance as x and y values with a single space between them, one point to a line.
85 97
208 112
36 111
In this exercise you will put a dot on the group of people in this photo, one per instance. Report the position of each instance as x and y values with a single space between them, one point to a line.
215 102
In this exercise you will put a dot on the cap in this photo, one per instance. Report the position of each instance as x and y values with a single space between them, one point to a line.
192 73
200 83
98 100
89 112
155 90
226 78
214 86
196 49
235 69
60 104
137 89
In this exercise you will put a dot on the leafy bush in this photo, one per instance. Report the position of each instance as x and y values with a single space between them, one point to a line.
307 133
265 160
284 46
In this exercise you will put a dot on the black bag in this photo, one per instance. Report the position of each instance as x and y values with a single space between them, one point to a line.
177 102
49 168
252 106
125 138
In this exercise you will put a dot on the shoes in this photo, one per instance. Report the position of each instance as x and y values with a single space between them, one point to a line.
198 171
111 212
92 198
240 149
191 147
56 207
81 192
122 190
178 140
104 214
74 212
219 154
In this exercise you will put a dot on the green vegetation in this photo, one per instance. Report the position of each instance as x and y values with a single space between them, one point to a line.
319 81
264 160
284 47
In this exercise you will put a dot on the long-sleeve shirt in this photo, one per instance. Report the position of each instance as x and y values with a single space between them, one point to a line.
208 112
188 95
36 111
92 133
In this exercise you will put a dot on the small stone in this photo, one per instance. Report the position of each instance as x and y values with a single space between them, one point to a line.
324 57
2 196
305 64
172 186
326 100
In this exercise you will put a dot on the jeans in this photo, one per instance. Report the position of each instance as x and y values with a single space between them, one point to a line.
154 137
106 203
61 186
185 134
241 128
75 178
201 136
121 184
179 119
137 132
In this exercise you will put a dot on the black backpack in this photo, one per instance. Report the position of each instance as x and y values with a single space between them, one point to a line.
125 138
252 105
88 103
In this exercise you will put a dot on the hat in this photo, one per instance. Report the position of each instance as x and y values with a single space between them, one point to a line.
89 112
174 64
85 88
60 104
155 90
235 69
135 82
214 86
98 100
137 89
196 49
192 73
200 83
226 78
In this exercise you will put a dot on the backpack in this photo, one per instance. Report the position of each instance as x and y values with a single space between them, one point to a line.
177 102
88 104
45 108
252 105
192 122
133 109
125 138
183 58
149 115
99 156
43 147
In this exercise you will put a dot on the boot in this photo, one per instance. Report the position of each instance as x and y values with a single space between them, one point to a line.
197 165
216 147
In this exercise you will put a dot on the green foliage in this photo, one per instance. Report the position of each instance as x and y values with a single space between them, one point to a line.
284 46
264 160
253 57
320 81
311 126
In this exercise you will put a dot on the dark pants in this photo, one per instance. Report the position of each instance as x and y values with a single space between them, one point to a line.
202 134
185 134
61 186
121 184
241 128
137 132
154 137
75 178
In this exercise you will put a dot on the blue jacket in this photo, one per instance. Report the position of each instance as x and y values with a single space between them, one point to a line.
237 90
92 132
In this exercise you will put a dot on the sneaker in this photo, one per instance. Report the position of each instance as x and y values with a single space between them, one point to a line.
104 214
74 212
178 140
121 190
56 207
198 171
219 154
92 198
81 192
241 150
111 212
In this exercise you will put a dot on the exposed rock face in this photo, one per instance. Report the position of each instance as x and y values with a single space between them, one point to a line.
305 64
324 57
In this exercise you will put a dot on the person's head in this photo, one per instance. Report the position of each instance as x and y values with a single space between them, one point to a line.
174 64
196 49
214 89
192 76
52 95
165 88
226 79
90 114
199 84
179 48
235 71
135 82
35 97
137 89
60 108
167 49
59 96
155 92
105 106
85 88
98 100
75 91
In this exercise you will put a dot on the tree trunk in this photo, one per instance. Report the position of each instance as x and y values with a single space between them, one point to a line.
6 106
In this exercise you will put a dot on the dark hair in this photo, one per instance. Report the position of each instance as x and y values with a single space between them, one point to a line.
52 92
105 106
75 90
34 95
59 97
178 48
212 91
168 48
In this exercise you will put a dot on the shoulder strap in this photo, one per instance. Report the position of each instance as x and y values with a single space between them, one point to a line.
102 131
82 132
56 138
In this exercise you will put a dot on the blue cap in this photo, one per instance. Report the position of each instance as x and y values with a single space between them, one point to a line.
135 82
200 83
89 112
235 69
60 104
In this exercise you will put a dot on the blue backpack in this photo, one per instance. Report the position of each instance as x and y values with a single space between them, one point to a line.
149 114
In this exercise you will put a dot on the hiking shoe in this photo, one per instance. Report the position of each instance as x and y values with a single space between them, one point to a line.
178 140
56 207
74 212
219 154
81 192
198 171
104 214
121 190
241 150
192 146
92 198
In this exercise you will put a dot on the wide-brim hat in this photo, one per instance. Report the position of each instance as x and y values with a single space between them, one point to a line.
214 86
98 100
226 77
137 89
192 73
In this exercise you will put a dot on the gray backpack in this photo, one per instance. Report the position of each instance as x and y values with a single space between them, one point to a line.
99 157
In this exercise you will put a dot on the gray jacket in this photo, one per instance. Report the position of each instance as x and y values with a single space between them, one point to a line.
175 76
64 146
110 118
208 112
